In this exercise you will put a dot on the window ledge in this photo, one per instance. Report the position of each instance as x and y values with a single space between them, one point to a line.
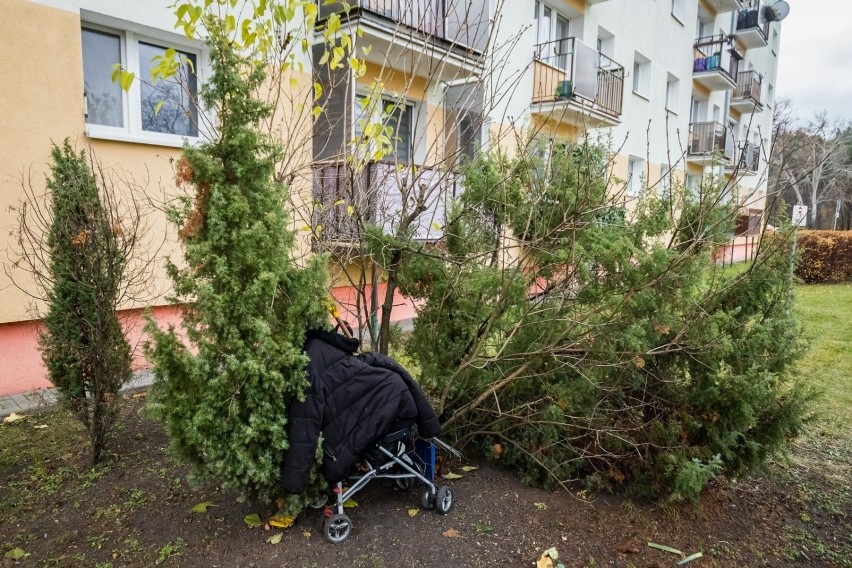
641 96
678 20
152 139
671 111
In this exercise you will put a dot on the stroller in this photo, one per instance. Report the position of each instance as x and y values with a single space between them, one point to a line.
404 459
366 409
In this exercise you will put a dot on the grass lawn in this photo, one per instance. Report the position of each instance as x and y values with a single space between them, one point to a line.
826 312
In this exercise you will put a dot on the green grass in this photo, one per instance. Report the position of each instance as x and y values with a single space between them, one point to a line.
826 313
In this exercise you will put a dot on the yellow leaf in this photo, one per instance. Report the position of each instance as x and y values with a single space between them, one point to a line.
339 202
317 90
281 521
469 468
350 504
305 228
316 111
366 50
451 475
275 539
157 107
14 417
306 534
16 554
437 227
451 533
413 512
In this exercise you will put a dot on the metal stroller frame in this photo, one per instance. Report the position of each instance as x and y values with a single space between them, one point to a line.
337 526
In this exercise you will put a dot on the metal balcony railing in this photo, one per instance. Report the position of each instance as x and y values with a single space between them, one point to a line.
752 18
710 139
346 199
460 22
749 86
716 54
567 68
749 157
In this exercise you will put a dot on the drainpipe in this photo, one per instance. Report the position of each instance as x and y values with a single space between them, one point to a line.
727 107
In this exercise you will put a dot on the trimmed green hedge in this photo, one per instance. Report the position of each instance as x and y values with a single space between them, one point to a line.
824 256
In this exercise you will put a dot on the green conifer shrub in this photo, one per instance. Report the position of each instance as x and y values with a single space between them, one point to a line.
86 254
224 393
601 342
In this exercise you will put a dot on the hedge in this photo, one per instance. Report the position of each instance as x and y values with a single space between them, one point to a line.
824 256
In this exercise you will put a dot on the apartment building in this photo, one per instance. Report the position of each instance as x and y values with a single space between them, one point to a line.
679 89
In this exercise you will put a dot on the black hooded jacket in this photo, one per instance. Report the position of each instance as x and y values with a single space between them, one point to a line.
354 401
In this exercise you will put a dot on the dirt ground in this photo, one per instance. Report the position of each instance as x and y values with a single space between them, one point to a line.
135 510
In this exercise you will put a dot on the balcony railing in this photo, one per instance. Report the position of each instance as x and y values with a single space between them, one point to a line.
346 199
568 69
710 140
715 54
749 86
459 22
751 20
749 157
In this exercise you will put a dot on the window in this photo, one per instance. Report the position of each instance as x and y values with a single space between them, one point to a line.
635 175
551 35
672 93
665 181
160 112
704 27
679 10
770 95
693 186
641 74
393 114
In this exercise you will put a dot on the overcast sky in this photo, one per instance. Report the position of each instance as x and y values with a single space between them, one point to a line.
815 69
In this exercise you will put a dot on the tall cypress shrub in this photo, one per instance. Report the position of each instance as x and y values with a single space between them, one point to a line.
224 392
83 345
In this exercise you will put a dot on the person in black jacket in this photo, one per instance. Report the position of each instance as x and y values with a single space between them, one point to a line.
354 401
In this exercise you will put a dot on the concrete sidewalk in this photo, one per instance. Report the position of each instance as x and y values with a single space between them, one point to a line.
44 398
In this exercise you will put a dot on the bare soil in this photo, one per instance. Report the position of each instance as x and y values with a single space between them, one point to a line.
135 510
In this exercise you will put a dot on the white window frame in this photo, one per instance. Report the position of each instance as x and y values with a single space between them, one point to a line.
555 15
641 75
672 93
679 10
411 110
129 38
635 175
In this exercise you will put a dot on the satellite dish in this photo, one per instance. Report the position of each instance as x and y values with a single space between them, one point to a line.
777 11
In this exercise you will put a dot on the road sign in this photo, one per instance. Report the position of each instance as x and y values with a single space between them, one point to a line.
800 215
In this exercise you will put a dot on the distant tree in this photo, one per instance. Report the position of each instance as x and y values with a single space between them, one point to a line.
811 164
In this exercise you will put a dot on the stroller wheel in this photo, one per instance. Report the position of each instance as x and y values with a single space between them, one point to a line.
320 502
444 500
404 483
336 528
427 499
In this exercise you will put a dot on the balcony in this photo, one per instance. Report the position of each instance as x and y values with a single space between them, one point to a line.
445 40
746 98
748 162
752 26
710 143
716 63
722 6
577 84
346 200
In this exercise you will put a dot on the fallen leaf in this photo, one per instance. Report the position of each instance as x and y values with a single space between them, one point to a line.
40 426
413 512
552 552
451 533
451 475
202 507
498 450
690 558
628 549
253 520
16 554
468 468
14 417
350 503
306 534
540 506
639 362
280 502
281 521
275 539
547 558
267 526
665 548
140 394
